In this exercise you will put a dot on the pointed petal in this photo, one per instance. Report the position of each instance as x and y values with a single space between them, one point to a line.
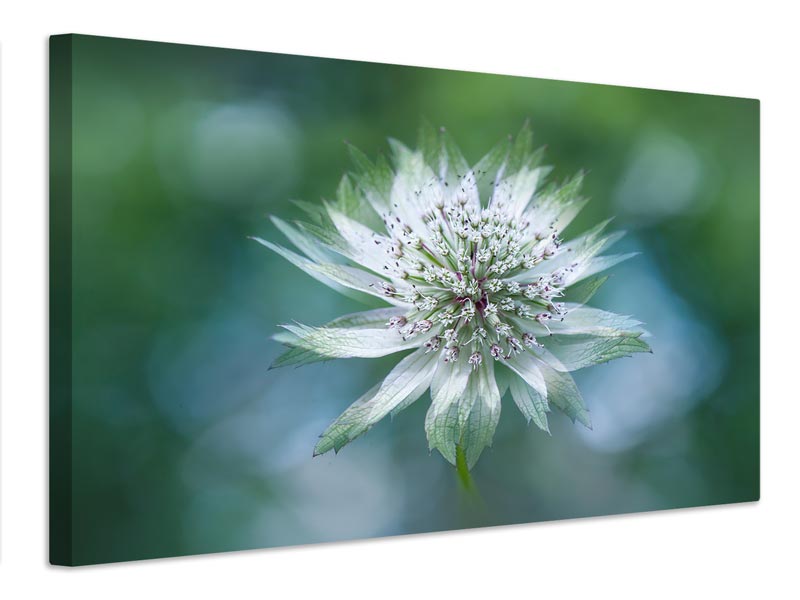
415 395
299 355
326 235
581 294
484 413
304 242
362 245
349 277
521 153
466 191
452 164
596 265
300 260
527 366
579 250
314 211
339 342
573 352
350 424
596 322
575 256
376 317
428 143
563 393
441 422
410 373
516 191
350 202
557 205
503 378
296 356
491 168
415 187
531 403
374 180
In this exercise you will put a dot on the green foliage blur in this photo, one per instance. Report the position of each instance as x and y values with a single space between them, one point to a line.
184 442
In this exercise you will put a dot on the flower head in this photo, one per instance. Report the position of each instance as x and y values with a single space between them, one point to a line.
480 283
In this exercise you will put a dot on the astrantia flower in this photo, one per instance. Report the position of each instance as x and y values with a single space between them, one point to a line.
479 284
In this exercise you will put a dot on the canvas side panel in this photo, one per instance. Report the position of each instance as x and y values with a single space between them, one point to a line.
61 300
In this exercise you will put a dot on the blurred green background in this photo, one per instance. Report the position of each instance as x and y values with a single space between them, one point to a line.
184 442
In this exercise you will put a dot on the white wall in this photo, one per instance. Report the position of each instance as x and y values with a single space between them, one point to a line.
736 551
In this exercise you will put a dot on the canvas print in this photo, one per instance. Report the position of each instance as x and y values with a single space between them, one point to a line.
300 300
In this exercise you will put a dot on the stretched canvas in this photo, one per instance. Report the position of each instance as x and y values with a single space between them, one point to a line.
298 300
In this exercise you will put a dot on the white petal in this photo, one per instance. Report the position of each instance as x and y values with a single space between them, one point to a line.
350 424
578 251
466 189
570 353
531 404
566 213
587 320
350 201
565 395
559 207
304 242
527 366
349 277
368 318
484 414
514 193
503 378
452 164
415 187
412 397
596 265
442 423
581 294
374 179
410 373
301 356
364 246
339 342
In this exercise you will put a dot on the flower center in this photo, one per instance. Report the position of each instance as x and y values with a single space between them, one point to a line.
464 271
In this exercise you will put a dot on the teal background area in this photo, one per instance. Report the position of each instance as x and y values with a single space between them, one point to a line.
183 442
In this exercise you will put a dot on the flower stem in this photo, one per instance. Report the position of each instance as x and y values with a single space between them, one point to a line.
463 471
472 506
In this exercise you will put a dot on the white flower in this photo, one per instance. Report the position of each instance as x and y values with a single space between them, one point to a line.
480 287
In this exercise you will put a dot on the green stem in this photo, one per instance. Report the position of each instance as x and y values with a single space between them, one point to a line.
473 506
463 471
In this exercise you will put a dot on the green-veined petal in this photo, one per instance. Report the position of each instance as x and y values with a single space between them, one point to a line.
405 379
363 245
298 355
341 342
563 393
530 402
593 321
527 366
597 264
442 424
484 413
350 277
573 352
304 242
